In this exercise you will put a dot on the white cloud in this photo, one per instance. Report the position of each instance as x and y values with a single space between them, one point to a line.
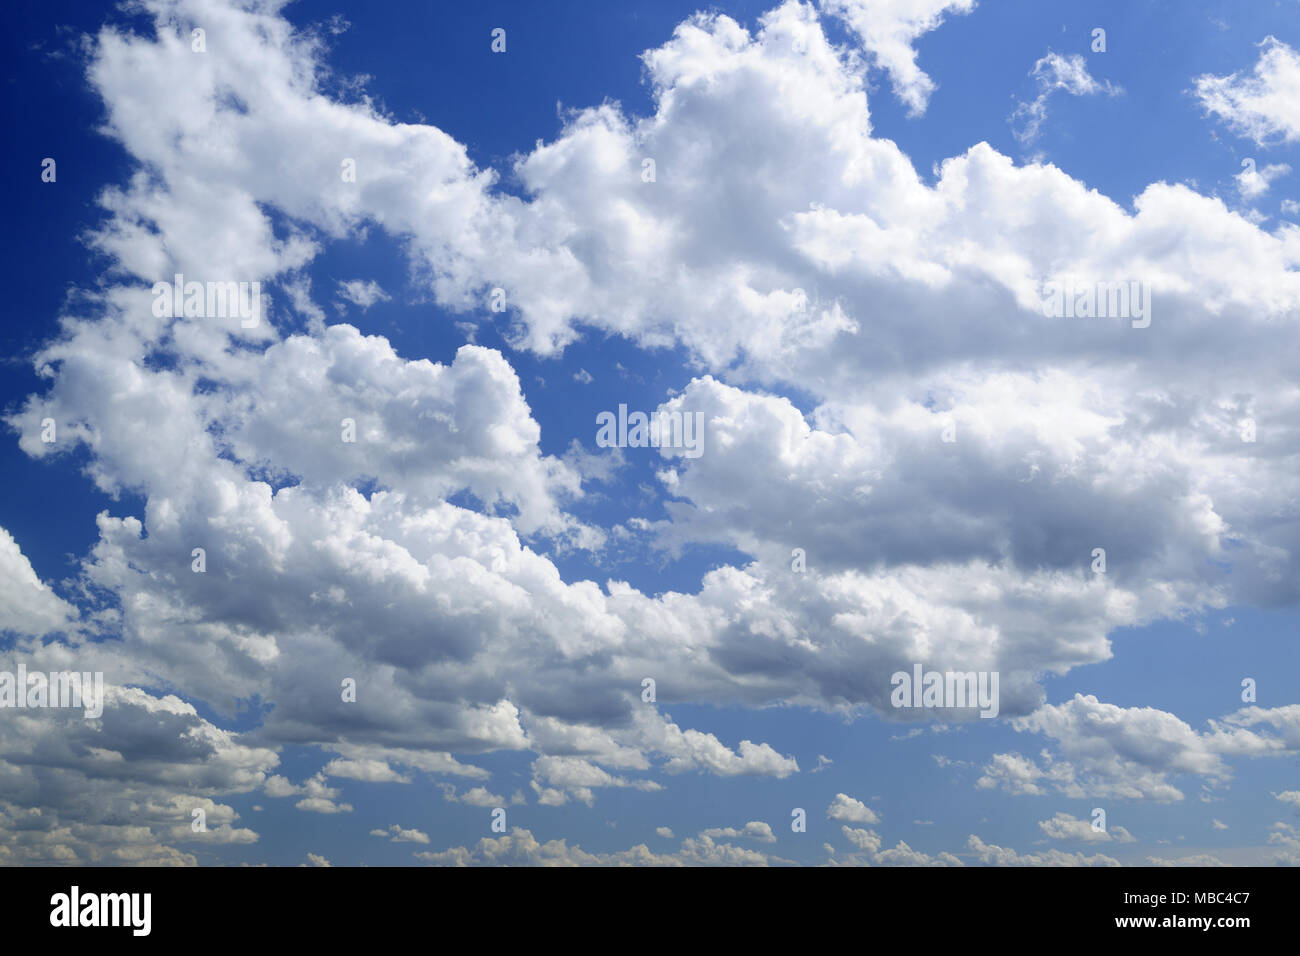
1132 753
1053 73
992 855
888 31
399 835
573 776
474 796
322 805
868 845
1254 182
1286 838
1291 797
458 627
753 830
362 293
844 807
121 789
521 848
1065 827
27 605
1263 105
372 771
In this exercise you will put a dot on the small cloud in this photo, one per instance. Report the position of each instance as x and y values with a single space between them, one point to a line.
323 805
844 807
1290 797
753 830
475 797
1065 827
583 376
1052 73
1253 183
362 293
402 836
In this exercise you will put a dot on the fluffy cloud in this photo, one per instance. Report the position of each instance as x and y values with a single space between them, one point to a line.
992 855
1262 105
868 851
888 30
819 258
521 848
27 605
397 834
753 830
844 807
1132 753
1254 182
362 292
1070 829
1286 838
120 789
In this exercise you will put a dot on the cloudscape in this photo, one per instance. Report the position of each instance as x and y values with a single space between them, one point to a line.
861 432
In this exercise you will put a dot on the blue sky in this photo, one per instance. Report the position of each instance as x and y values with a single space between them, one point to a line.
497 583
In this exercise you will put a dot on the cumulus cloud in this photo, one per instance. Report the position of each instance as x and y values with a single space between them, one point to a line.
1067 828
421 559
1286 838
397 834
753 830
1135 752
1263 104
993 855
869 851
521 848
27 604
1254 182
474 796
844 807
888 31
120 790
